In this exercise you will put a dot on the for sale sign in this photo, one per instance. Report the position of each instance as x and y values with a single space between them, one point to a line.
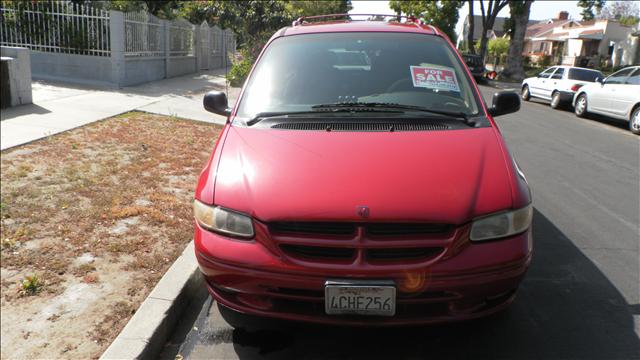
434 77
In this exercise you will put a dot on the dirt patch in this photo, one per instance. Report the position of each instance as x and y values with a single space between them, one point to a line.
97 215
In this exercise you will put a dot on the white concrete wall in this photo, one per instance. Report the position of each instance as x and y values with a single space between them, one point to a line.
574 47
181 65
117 69
627 48
19 74
139 70
72 68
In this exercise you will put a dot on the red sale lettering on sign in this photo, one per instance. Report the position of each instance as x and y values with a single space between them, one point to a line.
440 78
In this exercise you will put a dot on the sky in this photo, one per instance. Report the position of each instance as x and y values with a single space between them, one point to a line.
540 9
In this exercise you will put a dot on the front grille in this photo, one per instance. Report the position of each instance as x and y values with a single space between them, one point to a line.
313 228
371 229
350 242
395 229
402 253
318 251
361 126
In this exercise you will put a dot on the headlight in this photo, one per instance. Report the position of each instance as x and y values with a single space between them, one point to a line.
502 225
222 220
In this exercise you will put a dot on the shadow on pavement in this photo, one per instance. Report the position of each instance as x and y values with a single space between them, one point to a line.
621 124
566 308
12 112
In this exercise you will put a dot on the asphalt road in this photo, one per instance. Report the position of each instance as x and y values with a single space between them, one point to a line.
581 296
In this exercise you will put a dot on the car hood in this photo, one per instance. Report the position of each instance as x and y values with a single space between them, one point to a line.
433 176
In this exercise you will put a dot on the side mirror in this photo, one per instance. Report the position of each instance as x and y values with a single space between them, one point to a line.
504 102
216 102
599 80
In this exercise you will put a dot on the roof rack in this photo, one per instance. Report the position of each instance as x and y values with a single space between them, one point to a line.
304 19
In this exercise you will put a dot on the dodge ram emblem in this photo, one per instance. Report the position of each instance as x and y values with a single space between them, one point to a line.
363 211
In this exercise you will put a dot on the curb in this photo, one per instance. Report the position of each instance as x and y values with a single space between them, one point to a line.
147 331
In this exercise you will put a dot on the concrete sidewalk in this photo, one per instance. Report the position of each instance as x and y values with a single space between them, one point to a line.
60 107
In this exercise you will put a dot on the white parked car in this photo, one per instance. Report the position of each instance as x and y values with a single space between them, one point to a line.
617 96
558 84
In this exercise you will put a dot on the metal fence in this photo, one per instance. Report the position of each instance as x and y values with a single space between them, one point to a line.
143 34
181 37
55 26
133 47
230 45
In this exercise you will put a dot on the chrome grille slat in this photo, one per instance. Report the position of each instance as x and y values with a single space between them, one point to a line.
402 253
328 228
319 251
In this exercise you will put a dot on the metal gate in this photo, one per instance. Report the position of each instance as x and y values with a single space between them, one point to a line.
204 47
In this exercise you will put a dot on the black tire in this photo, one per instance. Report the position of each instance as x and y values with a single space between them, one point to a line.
555 100
526 94
581 106
634 121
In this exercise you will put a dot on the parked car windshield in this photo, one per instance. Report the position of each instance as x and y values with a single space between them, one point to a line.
584 75
298 72
634 79
472 60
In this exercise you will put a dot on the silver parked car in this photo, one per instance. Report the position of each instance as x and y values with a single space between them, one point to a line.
558 84
617 96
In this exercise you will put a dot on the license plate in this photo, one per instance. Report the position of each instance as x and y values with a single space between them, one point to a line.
360 298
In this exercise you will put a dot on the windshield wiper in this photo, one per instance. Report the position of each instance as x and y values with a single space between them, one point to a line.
263 115
377 105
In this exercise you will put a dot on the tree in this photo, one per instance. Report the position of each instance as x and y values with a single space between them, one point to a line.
488 20
514 68
164 9
470 46
624 11
498 48
441 14
253 21
588 5
299 8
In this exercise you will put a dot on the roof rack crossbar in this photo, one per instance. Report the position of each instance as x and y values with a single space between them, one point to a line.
304 19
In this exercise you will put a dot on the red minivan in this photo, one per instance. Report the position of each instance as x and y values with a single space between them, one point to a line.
360 179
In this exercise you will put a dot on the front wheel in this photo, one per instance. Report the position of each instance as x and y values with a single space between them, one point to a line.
580 107
526 95
555 100
634 122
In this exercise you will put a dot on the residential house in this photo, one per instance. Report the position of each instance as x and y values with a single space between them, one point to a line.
537 45
627 51
582 43
496 32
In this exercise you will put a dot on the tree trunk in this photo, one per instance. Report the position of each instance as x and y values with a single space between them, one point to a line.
513 68
488 19
470 45
484 40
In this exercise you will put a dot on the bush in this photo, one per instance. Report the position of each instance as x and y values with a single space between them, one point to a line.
239 71
545 60
532 71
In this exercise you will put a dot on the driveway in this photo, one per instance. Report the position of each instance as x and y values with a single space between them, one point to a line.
59 107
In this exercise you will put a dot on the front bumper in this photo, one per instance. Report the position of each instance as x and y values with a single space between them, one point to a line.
566 97
477 73
480 279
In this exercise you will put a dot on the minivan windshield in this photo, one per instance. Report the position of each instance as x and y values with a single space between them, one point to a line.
298 73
